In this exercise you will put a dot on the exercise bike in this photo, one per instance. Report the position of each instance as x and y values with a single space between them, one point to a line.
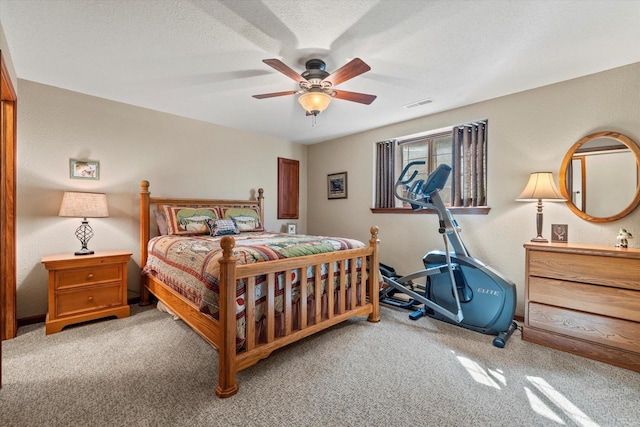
458 288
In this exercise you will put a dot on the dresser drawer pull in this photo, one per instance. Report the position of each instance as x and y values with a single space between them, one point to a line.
90 299
89 276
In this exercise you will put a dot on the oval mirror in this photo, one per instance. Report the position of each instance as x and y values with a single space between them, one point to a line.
599 177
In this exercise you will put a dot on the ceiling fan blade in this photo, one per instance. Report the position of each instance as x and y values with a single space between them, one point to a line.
274 94
353 68
362 98
284 69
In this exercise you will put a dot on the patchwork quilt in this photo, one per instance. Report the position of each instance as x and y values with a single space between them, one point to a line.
189 264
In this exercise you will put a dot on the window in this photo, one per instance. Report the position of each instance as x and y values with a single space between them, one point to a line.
462 147
432 149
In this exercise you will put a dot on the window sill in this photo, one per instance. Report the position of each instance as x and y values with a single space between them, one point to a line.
477 210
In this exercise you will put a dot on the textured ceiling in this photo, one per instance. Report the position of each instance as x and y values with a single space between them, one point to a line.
203 59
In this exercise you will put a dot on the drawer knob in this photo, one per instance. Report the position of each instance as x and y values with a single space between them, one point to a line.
89 276
90 299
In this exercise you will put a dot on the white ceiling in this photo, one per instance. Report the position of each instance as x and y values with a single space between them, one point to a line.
203 58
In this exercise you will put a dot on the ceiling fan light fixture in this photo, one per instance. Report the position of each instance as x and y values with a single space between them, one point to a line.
314 102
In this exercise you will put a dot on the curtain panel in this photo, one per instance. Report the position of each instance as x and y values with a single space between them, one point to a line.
469 177
385 179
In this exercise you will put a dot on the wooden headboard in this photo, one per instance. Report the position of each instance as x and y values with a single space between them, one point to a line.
146 201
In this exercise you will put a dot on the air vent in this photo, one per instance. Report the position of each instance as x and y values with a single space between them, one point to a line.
418 103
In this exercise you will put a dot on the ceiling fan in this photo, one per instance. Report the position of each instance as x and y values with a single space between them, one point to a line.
317 85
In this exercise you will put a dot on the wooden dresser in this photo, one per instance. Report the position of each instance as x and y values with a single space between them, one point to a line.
584 299
86 287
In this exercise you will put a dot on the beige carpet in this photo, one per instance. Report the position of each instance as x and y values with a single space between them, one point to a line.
149 370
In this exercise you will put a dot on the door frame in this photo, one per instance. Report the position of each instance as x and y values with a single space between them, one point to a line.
8 147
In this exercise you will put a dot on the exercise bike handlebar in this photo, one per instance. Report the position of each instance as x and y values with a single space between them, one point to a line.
406 169
419 193
406 184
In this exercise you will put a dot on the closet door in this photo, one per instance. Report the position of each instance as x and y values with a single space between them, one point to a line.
288 188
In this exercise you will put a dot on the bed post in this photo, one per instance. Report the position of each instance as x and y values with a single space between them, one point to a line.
227 385
144 238
374 286
261 204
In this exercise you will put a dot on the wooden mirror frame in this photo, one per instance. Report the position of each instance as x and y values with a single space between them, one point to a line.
567 161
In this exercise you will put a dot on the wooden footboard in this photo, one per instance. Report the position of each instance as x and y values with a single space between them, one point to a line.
350 299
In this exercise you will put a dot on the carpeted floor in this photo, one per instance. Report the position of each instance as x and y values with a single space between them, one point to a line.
149 370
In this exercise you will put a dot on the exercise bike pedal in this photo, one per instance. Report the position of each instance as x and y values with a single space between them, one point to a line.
418 314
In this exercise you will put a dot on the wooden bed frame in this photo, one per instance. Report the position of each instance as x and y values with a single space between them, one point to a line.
222 333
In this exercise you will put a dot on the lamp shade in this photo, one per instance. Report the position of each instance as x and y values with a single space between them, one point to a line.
314 102
84 205
540 187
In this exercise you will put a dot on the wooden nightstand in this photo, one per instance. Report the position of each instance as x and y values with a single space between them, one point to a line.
86 287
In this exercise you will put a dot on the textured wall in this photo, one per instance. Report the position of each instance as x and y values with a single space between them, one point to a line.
6 55
180 157
528 131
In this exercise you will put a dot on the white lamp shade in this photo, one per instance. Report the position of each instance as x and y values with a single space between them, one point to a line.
541 187
84 205
314 102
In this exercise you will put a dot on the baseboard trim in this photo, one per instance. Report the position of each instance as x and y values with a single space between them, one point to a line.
31 320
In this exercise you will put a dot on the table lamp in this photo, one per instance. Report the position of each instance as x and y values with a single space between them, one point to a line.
540 187
84 205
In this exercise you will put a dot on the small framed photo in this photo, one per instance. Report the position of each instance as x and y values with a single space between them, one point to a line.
292 228
337 185
84 169
559 233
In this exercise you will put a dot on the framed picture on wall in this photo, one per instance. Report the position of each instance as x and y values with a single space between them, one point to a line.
84 169
337 185
292 228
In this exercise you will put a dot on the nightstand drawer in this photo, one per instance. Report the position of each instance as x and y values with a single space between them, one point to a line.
88 276
88 299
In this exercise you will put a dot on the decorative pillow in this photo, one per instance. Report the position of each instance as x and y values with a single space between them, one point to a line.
246 219
182 220
222 227
161 220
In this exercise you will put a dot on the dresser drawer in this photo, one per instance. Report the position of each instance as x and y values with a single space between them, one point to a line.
73 302
88 276
618 333
596 269
604 300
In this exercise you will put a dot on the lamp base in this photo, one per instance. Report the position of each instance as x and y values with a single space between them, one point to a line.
84 251
540 240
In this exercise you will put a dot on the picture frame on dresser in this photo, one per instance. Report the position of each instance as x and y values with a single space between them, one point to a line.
559 233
